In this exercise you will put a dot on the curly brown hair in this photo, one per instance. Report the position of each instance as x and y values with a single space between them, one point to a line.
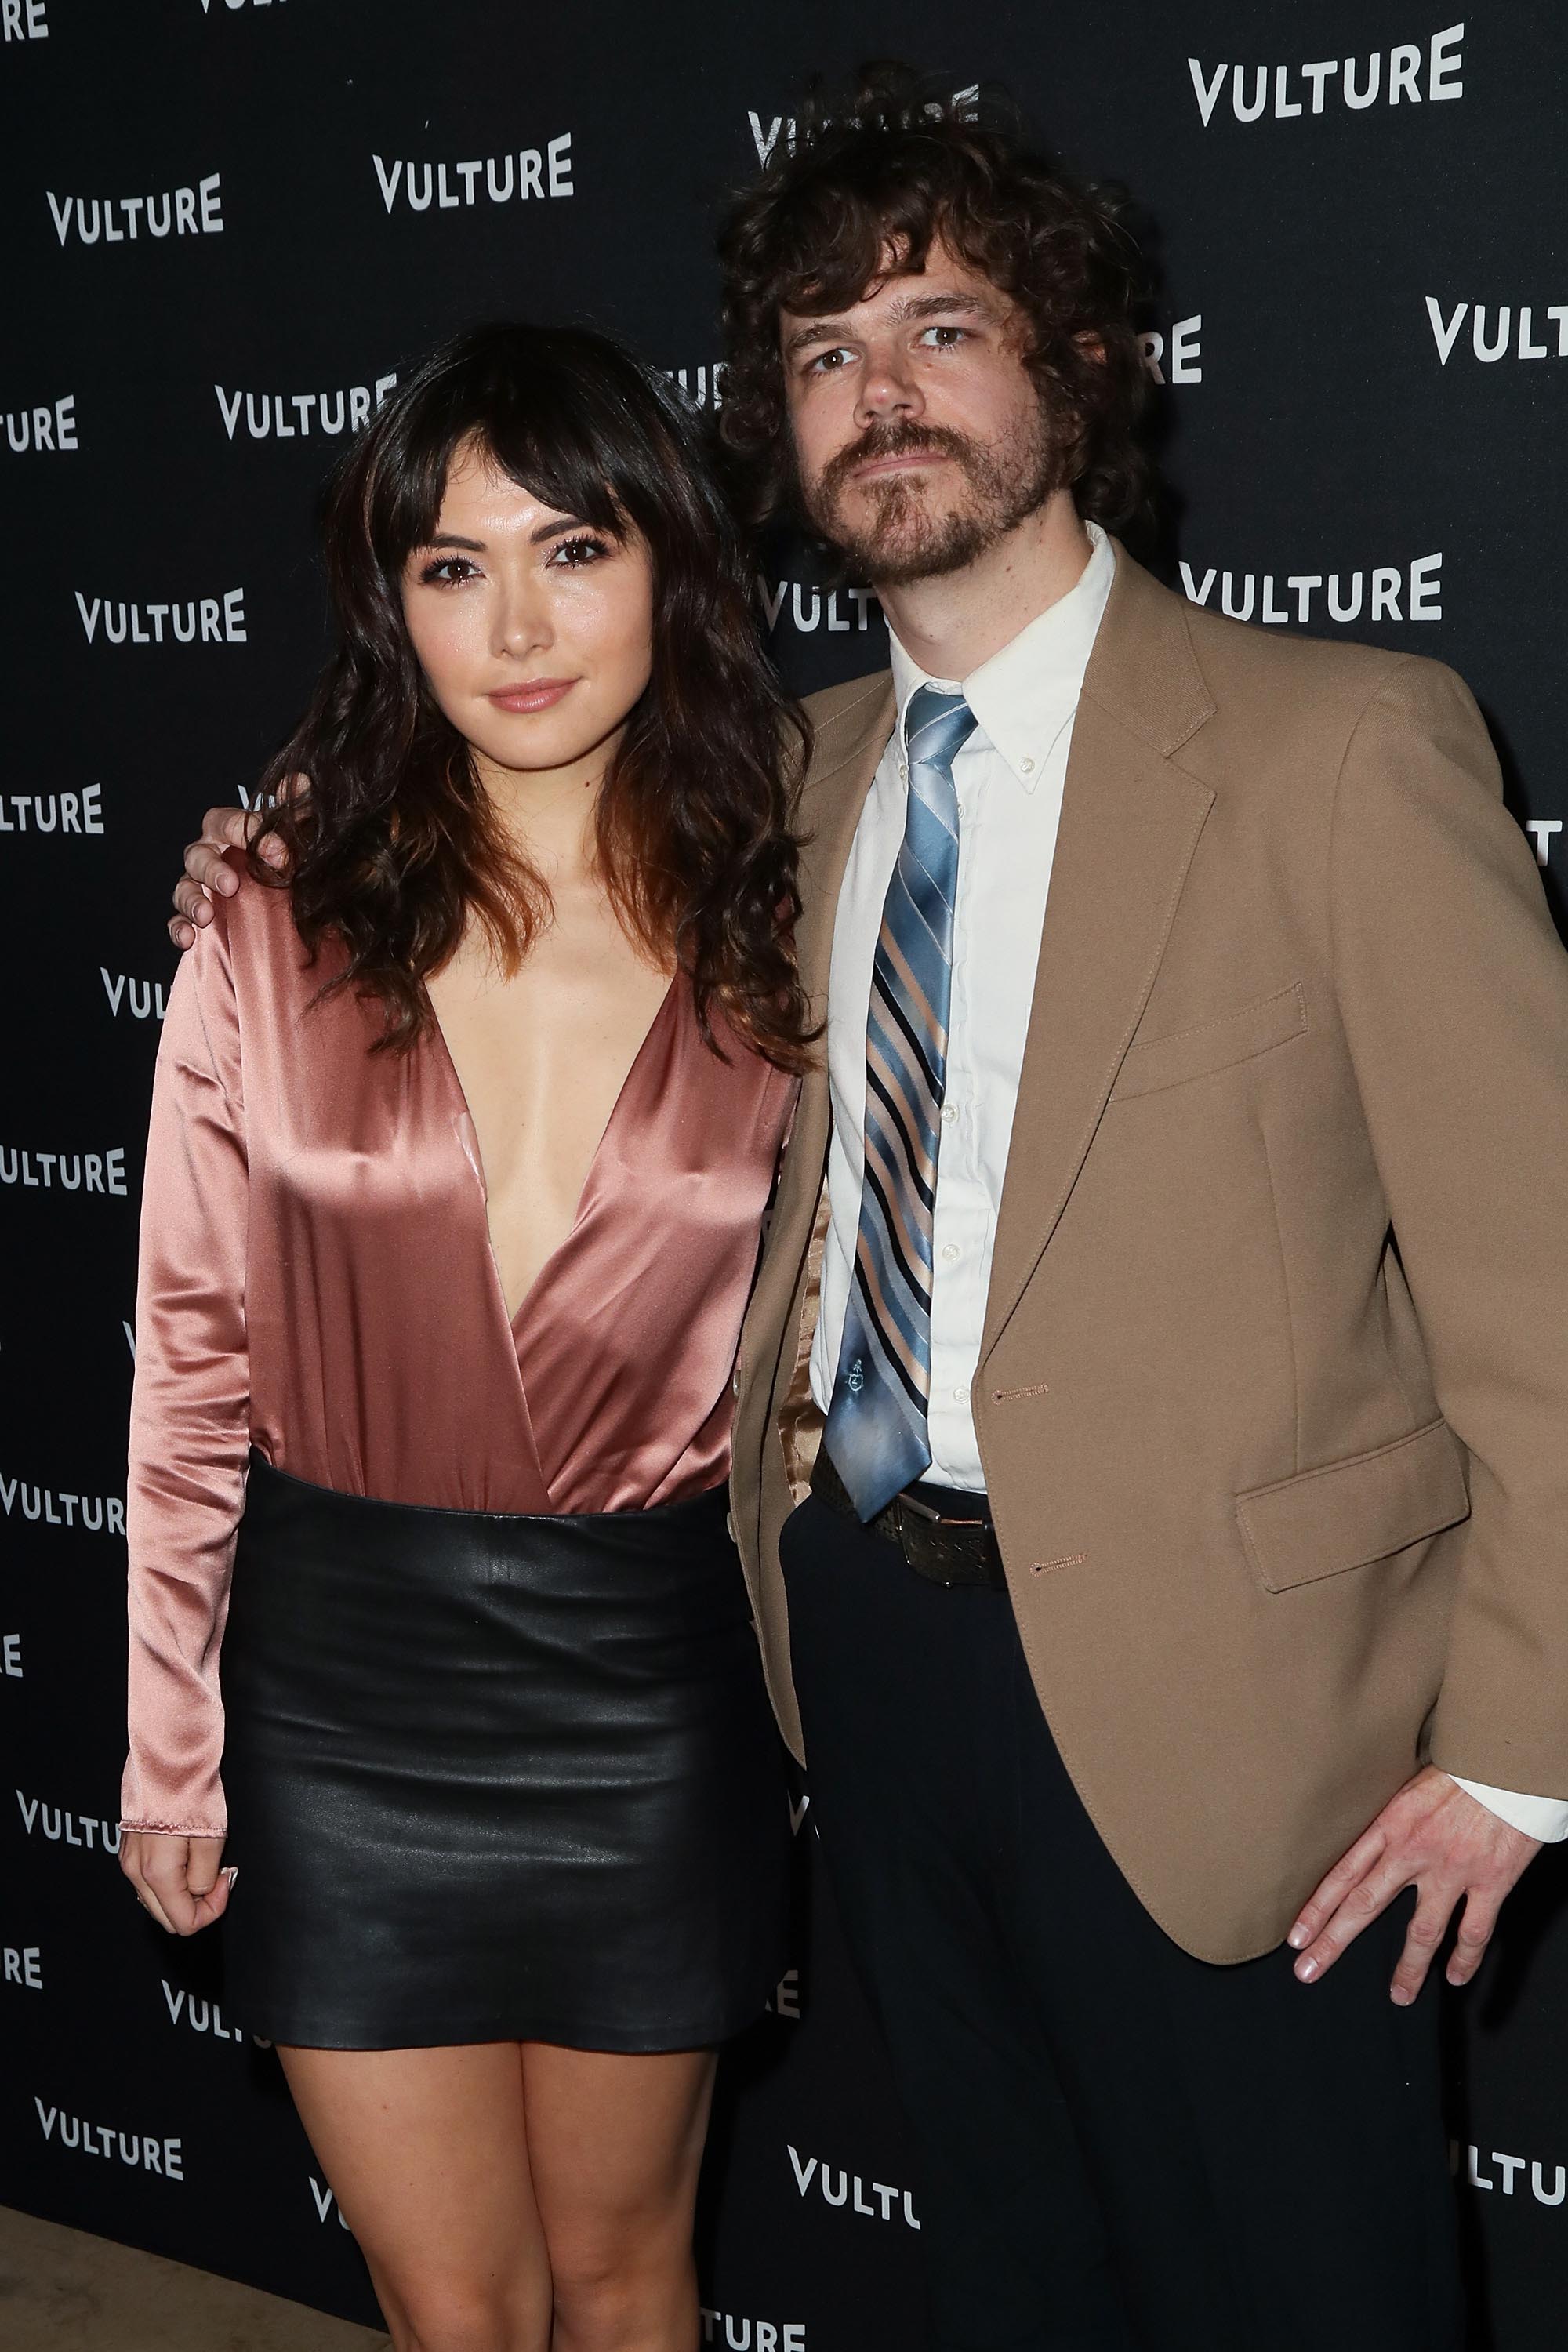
395 848
890 168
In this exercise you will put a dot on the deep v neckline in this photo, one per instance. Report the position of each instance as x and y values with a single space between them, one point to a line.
513 1318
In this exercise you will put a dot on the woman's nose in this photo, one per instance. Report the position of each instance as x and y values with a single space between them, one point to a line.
523 622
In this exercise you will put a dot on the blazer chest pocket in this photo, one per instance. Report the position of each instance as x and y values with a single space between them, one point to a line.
1350 1513
1156 1062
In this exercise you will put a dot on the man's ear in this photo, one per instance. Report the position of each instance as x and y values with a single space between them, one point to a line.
1091 343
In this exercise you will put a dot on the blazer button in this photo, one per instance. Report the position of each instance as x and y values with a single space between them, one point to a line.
729 1525
735 1381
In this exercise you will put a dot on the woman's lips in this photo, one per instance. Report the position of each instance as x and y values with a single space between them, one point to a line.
533 694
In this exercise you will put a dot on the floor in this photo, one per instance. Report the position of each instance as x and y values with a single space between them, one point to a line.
61 2291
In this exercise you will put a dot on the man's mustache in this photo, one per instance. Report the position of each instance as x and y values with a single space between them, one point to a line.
892 441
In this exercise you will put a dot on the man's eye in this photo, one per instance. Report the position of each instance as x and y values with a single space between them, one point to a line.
956 334
826 363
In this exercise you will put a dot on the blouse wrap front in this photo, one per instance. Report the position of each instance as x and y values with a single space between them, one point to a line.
316 1281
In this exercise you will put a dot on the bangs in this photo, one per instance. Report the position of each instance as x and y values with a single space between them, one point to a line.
574 479
574 441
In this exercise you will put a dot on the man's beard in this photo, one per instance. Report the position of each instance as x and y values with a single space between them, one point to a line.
902 540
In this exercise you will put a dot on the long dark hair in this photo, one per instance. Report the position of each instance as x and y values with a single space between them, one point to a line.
893 164
395 847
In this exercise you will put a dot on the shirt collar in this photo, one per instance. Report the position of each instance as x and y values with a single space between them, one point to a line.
1025 694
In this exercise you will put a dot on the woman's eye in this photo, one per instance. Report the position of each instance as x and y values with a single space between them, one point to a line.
447 570
573 553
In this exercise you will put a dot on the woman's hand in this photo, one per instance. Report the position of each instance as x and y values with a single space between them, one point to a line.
177 1879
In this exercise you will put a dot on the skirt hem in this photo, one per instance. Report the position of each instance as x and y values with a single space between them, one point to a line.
615 2041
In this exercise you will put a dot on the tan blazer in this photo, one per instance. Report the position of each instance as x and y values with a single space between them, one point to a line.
1271 1397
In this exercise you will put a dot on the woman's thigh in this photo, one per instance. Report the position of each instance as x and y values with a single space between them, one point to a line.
428 2153
615 2147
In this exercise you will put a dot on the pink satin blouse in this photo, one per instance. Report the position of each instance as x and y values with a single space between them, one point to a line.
317 1280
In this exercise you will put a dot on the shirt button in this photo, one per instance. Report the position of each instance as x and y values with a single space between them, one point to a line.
1028 766
948 1115
950 1251
961 1396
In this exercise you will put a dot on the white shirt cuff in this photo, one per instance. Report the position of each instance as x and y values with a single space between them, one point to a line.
1546 1818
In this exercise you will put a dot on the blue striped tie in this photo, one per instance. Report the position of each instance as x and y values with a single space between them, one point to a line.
876 1435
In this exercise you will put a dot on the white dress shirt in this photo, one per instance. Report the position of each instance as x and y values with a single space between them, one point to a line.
1008 778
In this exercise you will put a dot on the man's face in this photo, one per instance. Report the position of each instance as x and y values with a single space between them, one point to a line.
919 437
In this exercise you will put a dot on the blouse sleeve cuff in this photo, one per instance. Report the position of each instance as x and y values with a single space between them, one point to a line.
174 1828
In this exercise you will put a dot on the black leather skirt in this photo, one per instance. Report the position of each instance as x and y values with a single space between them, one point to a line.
496 1778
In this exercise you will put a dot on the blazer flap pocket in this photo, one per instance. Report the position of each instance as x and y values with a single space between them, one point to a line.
1351 1512
1156 1062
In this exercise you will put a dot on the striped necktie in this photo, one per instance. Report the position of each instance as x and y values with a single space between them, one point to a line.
875 1433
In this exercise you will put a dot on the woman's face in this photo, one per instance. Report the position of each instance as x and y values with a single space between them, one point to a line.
534 629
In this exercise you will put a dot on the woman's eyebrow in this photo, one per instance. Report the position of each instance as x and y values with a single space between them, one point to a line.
553 529
536 538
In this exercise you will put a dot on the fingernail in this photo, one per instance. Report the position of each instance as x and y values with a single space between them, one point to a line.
1305 1971
1296 1938
1398 1995
231 1871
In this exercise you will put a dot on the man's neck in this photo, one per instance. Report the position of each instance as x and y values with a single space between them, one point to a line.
952 623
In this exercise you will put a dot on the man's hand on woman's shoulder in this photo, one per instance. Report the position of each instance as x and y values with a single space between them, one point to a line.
207 871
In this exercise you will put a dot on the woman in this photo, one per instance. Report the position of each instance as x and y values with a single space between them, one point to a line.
459 1149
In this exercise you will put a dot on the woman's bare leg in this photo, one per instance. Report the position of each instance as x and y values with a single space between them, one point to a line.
614 2145
427 2154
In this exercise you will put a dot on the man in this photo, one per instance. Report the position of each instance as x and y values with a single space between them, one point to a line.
1164 1508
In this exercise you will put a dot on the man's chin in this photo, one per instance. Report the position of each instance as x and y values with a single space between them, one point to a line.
893 559
906 546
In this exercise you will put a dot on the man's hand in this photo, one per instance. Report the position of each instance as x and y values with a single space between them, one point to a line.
1432 1835
207 873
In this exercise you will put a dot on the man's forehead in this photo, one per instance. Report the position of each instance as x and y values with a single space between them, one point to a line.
942 282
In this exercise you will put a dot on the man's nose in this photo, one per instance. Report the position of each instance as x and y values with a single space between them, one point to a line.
887 388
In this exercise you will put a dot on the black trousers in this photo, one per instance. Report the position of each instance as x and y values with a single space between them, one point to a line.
1122 2148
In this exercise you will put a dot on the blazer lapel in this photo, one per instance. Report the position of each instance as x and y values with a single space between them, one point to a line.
843 764
844 761
1130 825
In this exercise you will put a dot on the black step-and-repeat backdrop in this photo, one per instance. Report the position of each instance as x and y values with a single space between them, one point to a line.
227 225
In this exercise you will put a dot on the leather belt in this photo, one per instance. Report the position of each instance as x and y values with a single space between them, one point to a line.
944 1535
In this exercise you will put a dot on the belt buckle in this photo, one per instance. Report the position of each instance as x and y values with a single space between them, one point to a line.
905 1501
929 1516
